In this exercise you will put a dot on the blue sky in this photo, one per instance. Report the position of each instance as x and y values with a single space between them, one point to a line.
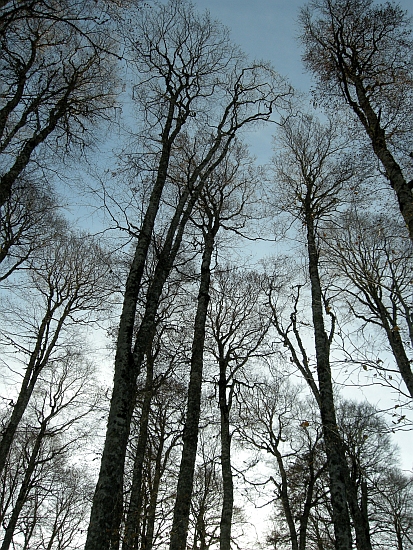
267 29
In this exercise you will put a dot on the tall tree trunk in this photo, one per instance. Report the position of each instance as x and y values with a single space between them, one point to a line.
377 135
227 480
179 531
342 489
147 544
334 447
24 488
107 507
285 501
132 523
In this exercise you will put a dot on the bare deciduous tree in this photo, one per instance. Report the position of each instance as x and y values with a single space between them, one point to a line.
372 256
312 176
69 281
191 78
28 219
56 424
361 54
238 322
57 80
276 421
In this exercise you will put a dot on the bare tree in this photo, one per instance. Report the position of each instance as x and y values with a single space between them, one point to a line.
57 79
164 440
391 509
214 206
206 496
360 53
69 282
164 363
369 448
238 321
224 203
190 76
274 420
55 425
28 219
312 175
149 510
372 258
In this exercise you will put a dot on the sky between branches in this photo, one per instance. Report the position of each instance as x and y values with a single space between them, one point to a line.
268 30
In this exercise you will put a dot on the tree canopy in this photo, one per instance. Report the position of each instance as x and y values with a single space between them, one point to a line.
198 351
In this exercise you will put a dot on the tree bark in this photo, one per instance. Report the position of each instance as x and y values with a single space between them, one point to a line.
341 487
106 514
334 447
227 480
147 543
377 135
132 524
179 531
